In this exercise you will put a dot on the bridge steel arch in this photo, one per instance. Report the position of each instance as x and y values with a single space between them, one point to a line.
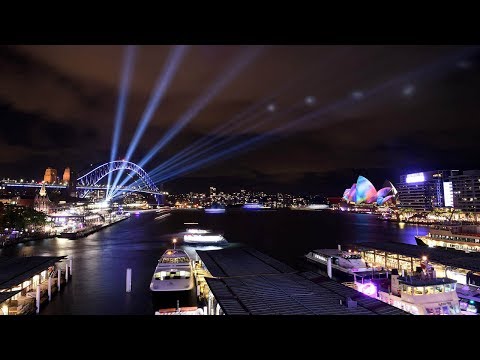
97 174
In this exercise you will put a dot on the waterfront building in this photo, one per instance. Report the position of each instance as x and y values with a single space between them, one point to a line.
426 190
19 278
26 201
466 190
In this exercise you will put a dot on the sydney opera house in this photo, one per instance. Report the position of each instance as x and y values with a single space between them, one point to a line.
363 192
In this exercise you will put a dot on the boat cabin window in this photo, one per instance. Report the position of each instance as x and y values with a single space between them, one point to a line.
163 275
429 290
438 289
448 287
174 260
418 290
352 256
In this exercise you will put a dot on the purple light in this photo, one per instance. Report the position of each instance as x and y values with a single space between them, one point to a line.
368 289
252 206
415 178
215 210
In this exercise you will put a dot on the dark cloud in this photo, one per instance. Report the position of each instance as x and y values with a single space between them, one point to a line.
58 104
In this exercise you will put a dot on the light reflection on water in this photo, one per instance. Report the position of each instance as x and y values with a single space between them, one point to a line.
101 259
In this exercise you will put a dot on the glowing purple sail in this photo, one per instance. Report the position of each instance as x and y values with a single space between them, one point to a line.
366 192
351 194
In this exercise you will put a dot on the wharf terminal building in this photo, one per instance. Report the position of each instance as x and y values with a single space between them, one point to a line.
440 189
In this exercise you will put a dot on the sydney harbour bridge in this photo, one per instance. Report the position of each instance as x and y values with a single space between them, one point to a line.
90 181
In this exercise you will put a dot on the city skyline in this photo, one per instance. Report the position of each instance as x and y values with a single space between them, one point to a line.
239 180
421 121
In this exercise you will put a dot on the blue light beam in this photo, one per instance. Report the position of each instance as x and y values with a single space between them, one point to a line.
218 145
170 68
219 84
128 66
237 120
199 147
422 72
226 127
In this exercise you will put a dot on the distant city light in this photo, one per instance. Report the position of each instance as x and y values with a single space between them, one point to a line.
252 206
271 107
408 90
415 178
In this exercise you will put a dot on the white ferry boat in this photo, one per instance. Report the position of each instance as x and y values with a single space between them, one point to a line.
215 210
255 206
345 264
161 209
466 237
173 272
196 236
421 294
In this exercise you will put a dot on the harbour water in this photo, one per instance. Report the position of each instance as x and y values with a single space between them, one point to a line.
101 259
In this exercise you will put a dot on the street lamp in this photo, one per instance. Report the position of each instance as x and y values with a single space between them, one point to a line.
174 242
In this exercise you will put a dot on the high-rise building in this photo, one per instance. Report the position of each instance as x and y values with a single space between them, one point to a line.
426 190
50 176
466 190
66 175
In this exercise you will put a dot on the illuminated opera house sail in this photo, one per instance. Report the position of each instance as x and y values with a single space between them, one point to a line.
363 192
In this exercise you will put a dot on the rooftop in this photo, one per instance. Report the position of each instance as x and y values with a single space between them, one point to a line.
248 282
453 258
172 253
7 295
15 270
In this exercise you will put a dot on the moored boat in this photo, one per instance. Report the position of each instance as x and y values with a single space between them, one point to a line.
173 272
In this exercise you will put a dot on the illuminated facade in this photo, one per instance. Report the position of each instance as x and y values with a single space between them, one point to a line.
66 175
424 190
352 193
50 176
42 203
466 190
363 192
366 192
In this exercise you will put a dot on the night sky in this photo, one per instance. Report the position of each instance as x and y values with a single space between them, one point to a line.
58 103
